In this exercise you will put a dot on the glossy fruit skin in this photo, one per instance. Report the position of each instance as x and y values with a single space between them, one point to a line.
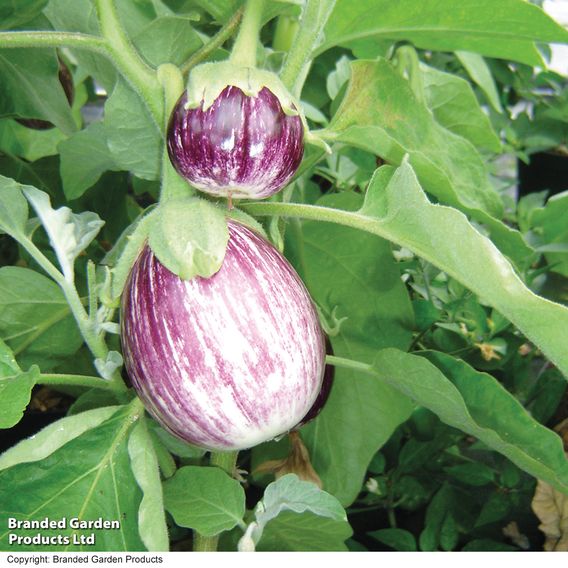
325 391
226 362
245 146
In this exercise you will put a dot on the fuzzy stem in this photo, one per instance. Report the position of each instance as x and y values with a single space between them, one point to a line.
127 60
77 381
214 43
173 185
94 341
244 50
54 39
297 63
226 461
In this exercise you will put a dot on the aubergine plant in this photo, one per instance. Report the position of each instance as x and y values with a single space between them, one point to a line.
194 194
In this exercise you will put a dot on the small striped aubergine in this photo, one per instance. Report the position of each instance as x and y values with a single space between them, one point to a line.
241 146
225 362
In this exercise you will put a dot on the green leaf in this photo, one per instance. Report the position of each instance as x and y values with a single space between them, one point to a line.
354 274
304 532
443 236
398 539
15 388
170 39
54 436
397 209
205 499
151 516
550 222
289 493
480 73
80 16
84 158
436 515
27 10
30 87
455 107
13 208
189 237
89 477
477 404
474 473
69 233
35 319
381 114
132 136
482 26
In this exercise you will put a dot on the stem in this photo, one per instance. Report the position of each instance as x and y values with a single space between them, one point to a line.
173 185
297 63
76 381
226 461
54 39
285 33
127 60
214 43
94 341
244 50
92 286
350 364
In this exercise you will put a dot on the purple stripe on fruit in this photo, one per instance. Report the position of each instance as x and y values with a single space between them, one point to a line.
242 146
225 362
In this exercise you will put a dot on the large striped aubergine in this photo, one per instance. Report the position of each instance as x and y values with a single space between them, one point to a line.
225 362
241 146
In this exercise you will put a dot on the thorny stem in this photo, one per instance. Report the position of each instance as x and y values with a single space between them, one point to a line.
226 461
214 43
244 50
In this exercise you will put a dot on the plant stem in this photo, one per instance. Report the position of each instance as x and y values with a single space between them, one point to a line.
92 286
54 39
226 461
244 50
127 60
350 364
297 63
172 184
77 381
94 341
214 43
285 33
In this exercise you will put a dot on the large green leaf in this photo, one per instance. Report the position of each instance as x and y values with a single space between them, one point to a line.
477 404
170 39
15 387
353 275
30 87
205 499
13 208
85 157
35 319
132 136
52 437
506 29
87 478
381 114
397 209
455 107
306 532
11 17
144 462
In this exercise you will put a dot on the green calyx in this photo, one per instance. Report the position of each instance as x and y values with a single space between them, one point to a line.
207 81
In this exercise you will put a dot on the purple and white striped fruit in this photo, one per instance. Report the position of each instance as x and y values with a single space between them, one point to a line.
241 146
225 362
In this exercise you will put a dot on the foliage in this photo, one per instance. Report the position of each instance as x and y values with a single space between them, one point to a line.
443 294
